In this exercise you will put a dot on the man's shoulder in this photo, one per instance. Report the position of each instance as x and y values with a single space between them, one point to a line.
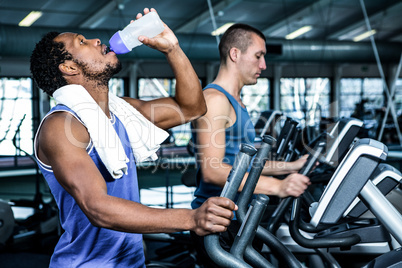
60 124
60 132
215 95
58 117
217 103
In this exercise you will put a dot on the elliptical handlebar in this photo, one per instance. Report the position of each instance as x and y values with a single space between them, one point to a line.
312 159
254 174
266 237
242 248
212 245
240 166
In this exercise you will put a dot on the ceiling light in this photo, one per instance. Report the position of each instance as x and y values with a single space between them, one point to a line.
30 19
364 35
299 32
222 29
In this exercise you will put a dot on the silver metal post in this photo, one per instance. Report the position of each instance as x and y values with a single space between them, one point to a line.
382 209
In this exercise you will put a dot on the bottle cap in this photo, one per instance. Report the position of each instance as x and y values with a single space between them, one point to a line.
117 45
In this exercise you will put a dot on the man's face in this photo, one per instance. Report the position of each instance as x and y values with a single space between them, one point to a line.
91 57
252 61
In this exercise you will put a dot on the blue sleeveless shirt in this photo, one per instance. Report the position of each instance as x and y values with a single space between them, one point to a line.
82 244
242 131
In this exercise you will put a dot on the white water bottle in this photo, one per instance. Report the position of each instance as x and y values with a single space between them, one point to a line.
149 25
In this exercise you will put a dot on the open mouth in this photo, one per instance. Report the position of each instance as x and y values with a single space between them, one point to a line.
105 50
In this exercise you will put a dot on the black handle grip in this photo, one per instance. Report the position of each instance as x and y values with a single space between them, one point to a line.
284 141
313 158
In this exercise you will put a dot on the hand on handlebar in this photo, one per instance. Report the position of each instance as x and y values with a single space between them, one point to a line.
299 163
293 185
213 216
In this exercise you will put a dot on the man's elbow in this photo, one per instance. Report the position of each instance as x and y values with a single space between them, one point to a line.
96 215
202 110
209 176
196 112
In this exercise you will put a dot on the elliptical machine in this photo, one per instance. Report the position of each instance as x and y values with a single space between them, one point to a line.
363 159
242 254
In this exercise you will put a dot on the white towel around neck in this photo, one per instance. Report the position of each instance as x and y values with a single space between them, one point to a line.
145 138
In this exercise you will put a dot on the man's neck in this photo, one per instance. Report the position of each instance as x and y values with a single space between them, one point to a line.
229 82
101 96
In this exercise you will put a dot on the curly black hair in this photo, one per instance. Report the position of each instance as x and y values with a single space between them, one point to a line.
45 60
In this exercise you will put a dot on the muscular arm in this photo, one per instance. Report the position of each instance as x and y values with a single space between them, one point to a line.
78 175
211 151
188 102
211 138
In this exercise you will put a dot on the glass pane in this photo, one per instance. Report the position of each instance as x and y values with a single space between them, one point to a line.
373 94
116 85
348 104
261 88
372 86
299 96
287 104
181 134
286 86
173 87
351 86
317 86
361 98
256 98
16 116
350 96
153 88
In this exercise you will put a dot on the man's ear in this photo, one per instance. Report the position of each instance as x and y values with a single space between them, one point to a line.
68 68
234 54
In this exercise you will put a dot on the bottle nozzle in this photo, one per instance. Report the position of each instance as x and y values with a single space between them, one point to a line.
117 45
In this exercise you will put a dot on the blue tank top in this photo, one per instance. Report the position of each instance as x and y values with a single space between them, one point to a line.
82 244
242 131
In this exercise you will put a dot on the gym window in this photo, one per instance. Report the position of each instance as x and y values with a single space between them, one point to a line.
153 88
305 98
359 93
16 130
256 98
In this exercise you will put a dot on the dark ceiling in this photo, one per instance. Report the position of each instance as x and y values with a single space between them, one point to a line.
334 22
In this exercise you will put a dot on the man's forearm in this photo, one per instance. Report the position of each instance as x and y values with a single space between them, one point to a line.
127 216
273 168
188 88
